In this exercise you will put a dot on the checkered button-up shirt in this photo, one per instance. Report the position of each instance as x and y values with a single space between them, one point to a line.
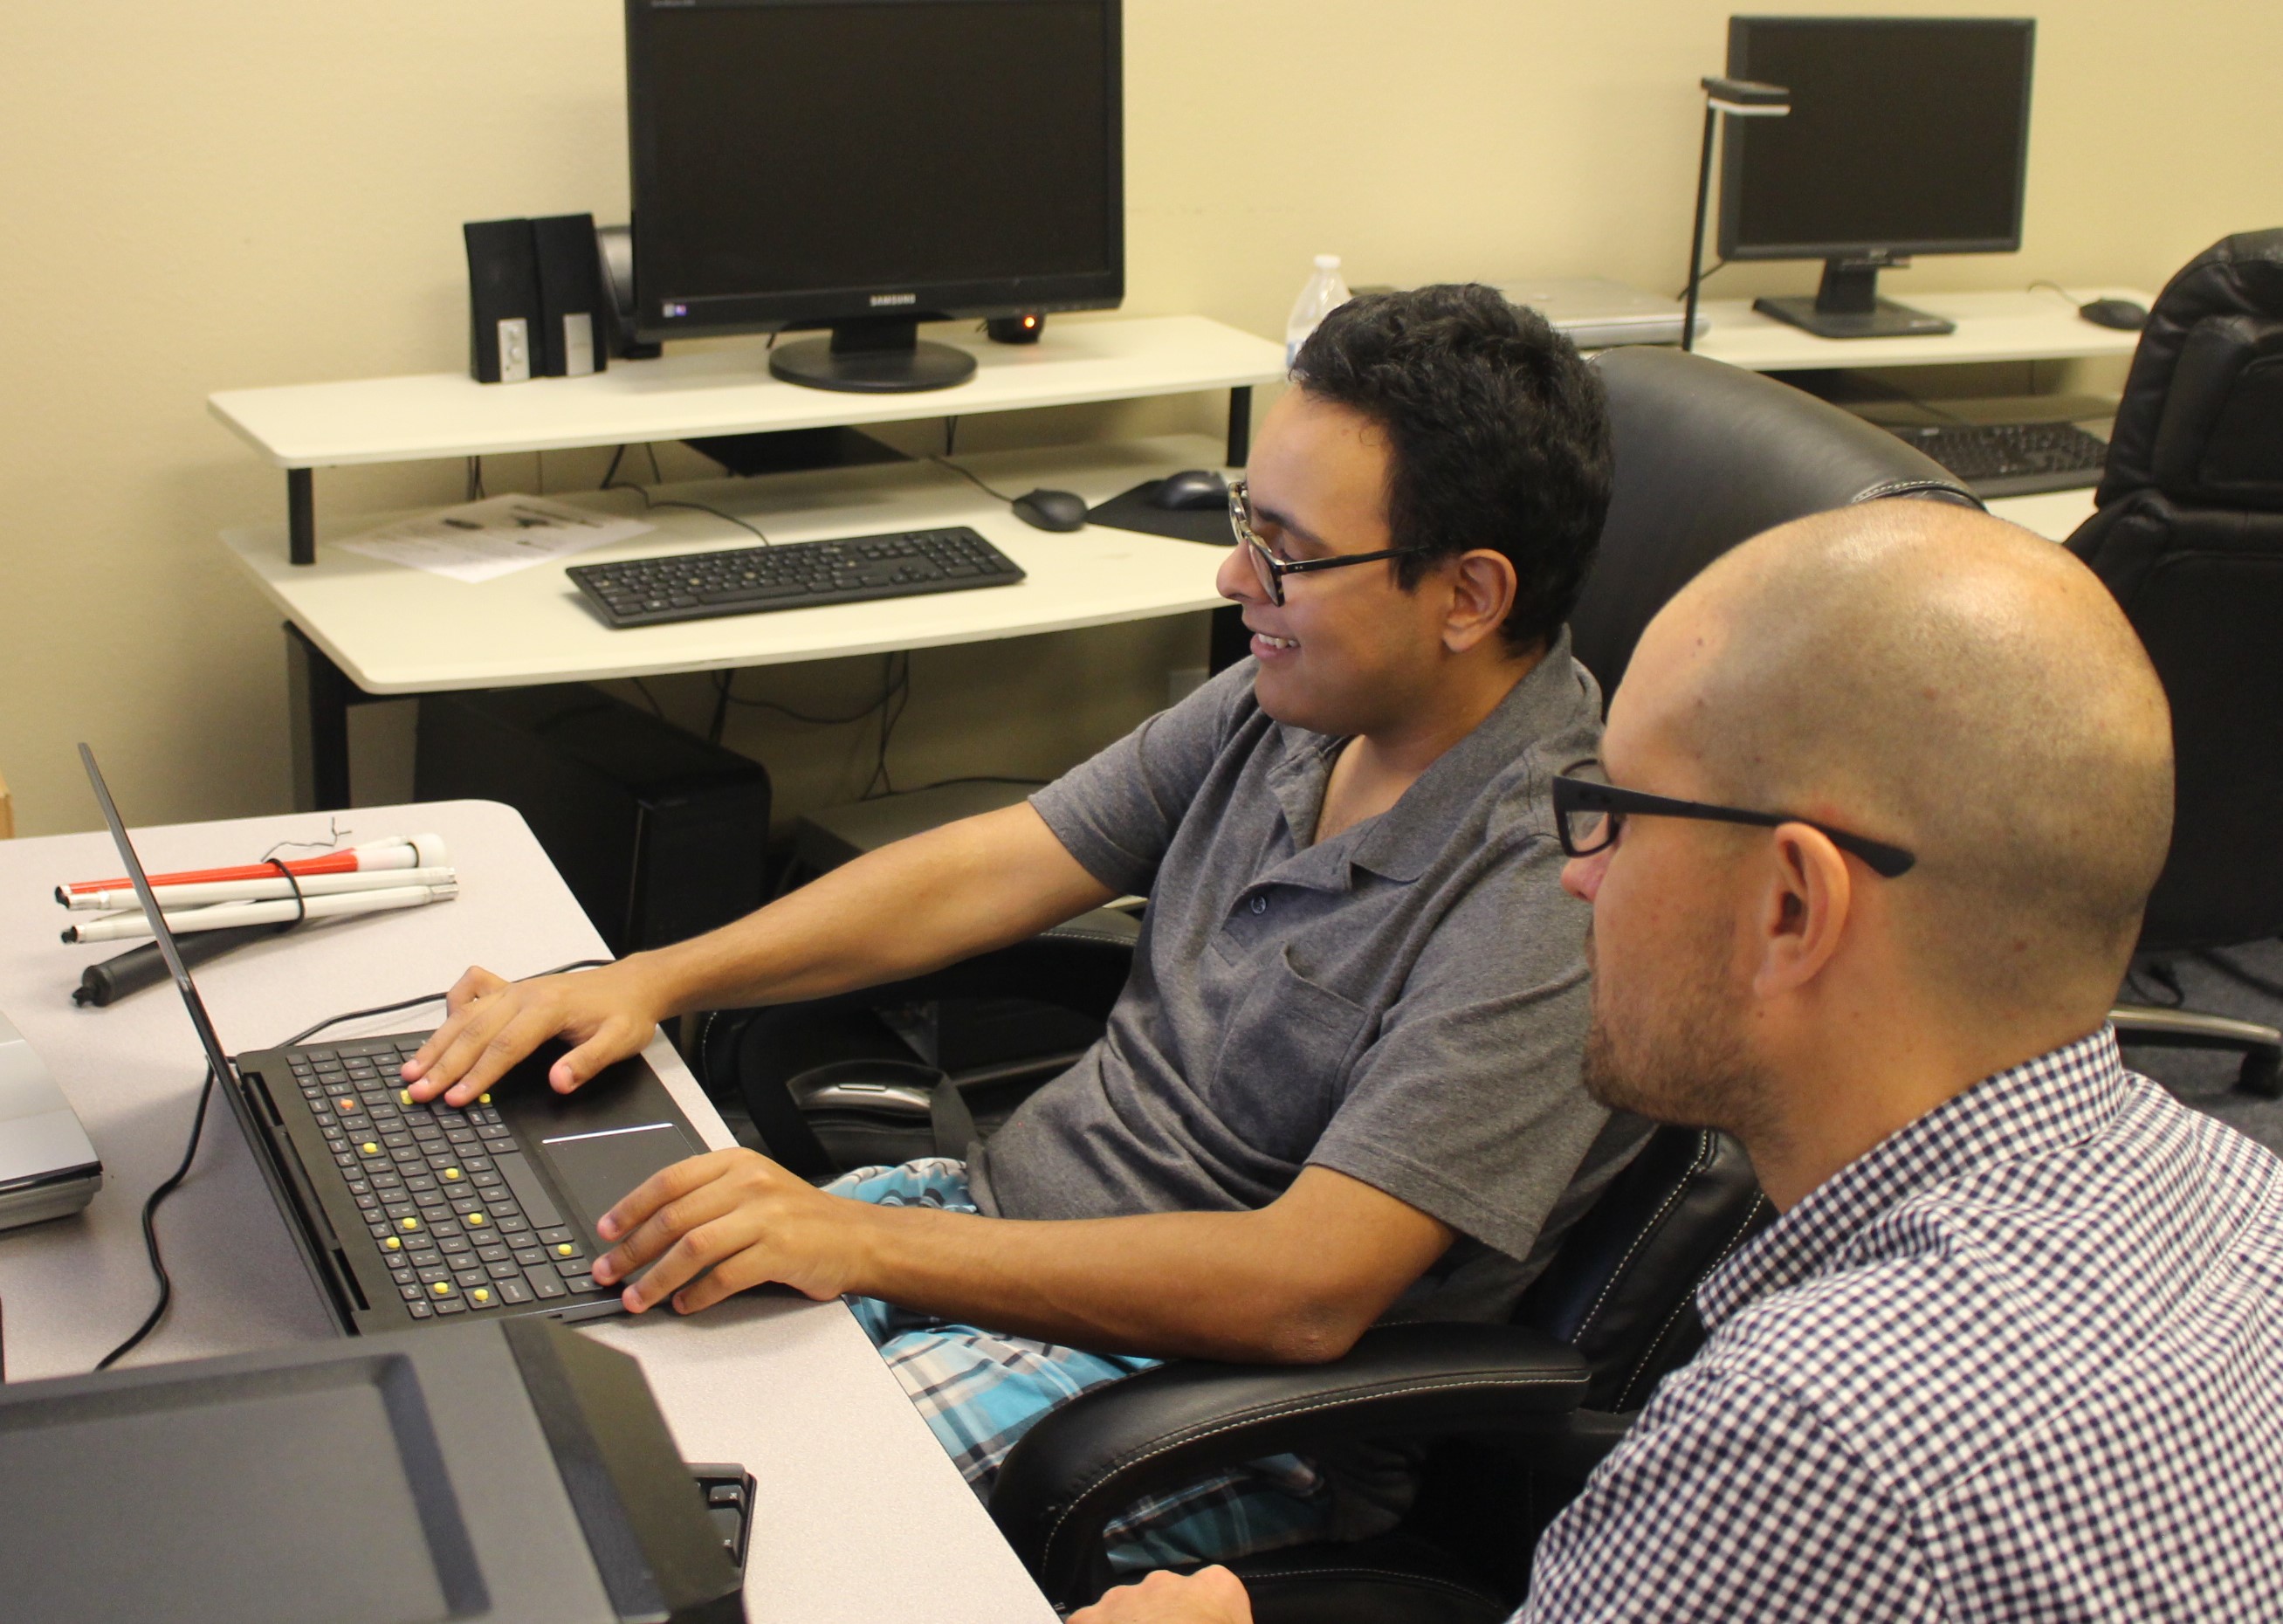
2022 1361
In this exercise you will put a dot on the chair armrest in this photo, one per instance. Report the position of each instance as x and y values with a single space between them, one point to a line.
1092 1457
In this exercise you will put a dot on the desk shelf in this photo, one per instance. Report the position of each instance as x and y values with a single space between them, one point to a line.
722 390
2016 326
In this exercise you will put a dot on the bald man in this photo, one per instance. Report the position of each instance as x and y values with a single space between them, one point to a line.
1887 791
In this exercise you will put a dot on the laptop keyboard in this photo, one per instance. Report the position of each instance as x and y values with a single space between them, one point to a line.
453 1207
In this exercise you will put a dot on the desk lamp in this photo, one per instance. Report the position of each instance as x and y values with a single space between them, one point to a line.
1742 98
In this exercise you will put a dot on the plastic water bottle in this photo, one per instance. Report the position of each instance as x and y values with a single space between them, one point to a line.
1324 293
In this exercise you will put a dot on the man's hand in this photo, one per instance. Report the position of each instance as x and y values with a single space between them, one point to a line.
606 1014
739 1214
1212 1596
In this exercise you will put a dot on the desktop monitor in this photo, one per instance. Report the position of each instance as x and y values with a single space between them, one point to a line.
1906 136
868 165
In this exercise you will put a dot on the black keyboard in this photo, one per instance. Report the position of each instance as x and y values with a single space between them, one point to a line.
2014 459
454 1209
697 586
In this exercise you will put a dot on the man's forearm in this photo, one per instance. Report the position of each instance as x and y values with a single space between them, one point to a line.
1171 1285
916 906
1296 1281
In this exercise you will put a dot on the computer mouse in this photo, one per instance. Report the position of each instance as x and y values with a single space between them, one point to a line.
1190 491
1051 510
2121 313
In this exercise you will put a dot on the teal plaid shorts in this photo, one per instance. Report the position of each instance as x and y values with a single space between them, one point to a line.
981 1390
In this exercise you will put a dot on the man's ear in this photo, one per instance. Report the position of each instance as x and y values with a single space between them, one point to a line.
1482 588
1808 899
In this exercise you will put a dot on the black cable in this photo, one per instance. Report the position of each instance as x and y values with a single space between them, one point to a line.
649 501
972 479
723 683
333 828
198 1128
1702 277
151 1234
950 435
612 472
900 688
307 1032
649 698
721 711
656 478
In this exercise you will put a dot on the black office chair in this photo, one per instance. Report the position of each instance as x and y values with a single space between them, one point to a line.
2188 534
1709 456
1520 1413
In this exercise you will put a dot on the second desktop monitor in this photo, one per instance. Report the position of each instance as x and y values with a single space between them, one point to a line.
865 166
1905 135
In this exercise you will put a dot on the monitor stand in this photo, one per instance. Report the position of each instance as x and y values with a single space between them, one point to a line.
1848 306
884 356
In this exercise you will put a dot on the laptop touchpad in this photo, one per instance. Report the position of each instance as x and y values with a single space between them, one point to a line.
596 1171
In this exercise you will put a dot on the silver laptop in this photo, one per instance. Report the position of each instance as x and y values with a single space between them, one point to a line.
47 1167
1596 313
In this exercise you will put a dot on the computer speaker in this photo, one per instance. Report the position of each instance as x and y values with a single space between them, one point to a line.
502 300
572 337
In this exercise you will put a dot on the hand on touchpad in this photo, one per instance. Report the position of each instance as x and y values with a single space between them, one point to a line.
597 1170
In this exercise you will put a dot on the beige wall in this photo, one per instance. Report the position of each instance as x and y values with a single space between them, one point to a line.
250 191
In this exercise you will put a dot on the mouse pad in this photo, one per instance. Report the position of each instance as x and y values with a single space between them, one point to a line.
597 1170
1132 510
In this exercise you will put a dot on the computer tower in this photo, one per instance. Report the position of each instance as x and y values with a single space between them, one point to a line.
659 834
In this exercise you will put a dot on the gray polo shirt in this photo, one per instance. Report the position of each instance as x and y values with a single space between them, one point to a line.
1404 1002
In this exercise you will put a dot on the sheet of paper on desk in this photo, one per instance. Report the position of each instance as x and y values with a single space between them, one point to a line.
497 536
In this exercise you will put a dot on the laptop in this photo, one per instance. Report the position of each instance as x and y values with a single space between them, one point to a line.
1596 313
418 1215
47 1168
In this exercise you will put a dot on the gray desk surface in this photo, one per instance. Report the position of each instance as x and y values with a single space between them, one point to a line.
859 1514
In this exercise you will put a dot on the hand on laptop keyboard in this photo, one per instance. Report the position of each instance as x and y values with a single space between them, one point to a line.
606 1015
740 1215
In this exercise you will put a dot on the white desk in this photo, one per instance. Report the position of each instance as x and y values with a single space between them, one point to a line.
393 630
723 390
359 628
858 1515
2037 326
2018 326
2052 514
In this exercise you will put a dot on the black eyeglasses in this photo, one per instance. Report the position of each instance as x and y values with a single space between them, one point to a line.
1588 816
1272 569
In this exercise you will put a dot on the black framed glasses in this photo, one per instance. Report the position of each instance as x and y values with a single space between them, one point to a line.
1588 816
1272 569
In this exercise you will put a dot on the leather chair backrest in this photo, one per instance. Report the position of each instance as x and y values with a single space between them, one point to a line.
1621 1290
2198 420
1707 456
2188 534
